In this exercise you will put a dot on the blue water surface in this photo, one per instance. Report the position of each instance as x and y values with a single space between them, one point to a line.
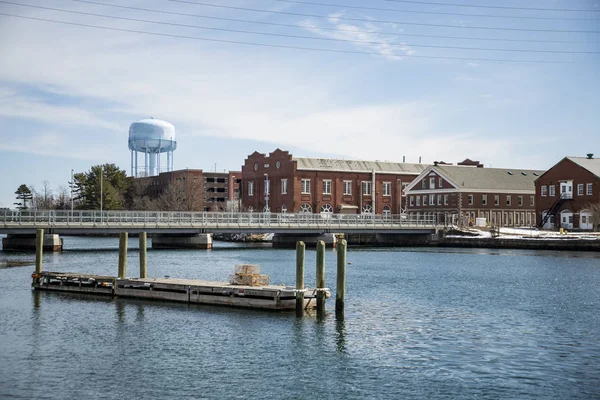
419 323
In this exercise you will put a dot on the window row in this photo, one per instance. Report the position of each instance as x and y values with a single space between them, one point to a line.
432 181
326 187
582 189
431 200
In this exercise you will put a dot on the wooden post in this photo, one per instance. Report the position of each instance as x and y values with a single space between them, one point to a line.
39 251
320 277
300 250
122 254
340 291
142 254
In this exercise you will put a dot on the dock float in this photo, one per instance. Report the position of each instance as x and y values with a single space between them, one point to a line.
191 291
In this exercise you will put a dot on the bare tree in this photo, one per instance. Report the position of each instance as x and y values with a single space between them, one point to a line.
595 215
63 198
44 199
181 195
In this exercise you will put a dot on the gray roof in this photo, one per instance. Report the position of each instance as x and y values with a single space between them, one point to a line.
330 164
472 178
591 164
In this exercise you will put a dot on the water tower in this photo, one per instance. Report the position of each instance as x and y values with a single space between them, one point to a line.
152 137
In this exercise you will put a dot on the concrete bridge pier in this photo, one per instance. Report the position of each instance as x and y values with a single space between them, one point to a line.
26 242
288 240
193 241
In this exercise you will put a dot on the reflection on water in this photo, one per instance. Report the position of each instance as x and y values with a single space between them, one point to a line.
418 323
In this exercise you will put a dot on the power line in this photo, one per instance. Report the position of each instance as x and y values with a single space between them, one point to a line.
313 3
496 7
296 36
378 21
326 28
316 49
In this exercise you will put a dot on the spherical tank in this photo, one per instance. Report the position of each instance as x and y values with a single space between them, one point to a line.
152 136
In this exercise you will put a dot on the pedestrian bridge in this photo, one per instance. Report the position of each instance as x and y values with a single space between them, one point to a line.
190 223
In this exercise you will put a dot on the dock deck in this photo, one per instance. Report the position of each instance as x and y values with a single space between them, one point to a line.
192 291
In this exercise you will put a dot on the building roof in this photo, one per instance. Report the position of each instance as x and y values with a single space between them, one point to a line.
485 179
591 164
330 164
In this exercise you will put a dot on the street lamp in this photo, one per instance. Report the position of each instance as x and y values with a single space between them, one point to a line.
72 183
267 193
101 194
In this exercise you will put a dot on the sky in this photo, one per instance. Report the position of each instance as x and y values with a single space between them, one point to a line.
349 79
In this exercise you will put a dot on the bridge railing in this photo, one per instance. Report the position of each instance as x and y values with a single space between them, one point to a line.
81 218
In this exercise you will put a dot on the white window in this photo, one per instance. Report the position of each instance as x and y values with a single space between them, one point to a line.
580 189
327 186
531 201
305 186
589 189
387 211
423 184
432 199
305 208
284 186
439 199
470 199
251 188
424 199
412 201
544 191
446 199
347 187
552 190
366 188
418 201
432 183
387 188
520 198
440 183
508 200
496 200
484 199
267 186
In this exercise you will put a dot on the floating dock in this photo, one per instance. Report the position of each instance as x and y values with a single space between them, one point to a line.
191 291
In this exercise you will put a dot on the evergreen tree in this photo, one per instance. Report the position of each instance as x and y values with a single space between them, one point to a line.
24 194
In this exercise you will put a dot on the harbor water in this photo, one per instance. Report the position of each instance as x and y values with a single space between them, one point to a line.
419 323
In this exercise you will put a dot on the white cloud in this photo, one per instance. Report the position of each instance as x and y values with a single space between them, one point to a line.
365 32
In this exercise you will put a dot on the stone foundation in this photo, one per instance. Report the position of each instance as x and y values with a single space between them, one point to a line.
199 241
52 242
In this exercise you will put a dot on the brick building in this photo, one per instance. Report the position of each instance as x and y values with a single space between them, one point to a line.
566 192
280 182
205 191
462 193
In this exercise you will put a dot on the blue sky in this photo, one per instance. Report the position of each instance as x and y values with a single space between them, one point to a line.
68 93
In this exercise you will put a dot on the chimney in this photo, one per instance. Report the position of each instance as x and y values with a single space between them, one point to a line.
435 163
419 160
403 159
590 156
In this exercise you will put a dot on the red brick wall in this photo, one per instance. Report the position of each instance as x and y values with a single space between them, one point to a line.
316 199
566 170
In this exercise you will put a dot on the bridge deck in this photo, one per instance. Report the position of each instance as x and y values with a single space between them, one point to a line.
86 222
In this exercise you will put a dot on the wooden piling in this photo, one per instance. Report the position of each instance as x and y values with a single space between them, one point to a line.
143 254
39 251
340 291
320 277
300 251
122 254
